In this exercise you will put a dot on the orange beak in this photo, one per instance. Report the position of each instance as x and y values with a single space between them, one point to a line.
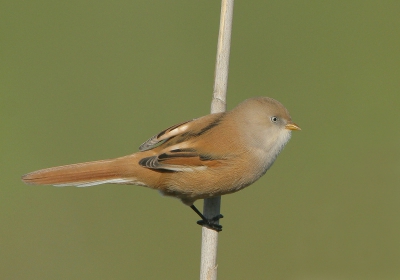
292 126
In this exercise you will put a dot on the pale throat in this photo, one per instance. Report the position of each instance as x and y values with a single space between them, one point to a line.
273 147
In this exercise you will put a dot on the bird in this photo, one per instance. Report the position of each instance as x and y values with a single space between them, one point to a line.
210 156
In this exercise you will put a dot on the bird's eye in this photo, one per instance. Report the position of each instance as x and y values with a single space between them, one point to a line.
274 119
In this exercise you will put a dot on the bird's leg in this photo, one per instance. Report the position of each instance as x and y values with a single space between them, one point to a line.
210 223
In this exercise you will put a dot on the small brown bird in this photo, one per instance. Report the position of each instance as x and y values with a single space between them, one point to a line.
210 156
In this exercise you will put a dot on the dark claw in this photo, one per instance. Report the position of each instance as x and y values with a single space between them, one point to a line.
212 223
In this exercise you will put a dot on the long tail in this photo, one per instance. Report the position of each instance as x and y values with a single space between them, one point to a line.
117 171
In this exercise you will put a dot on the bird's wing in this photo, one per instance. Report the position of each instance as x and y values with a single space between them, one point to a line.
178 147
182 132
164 135
175 159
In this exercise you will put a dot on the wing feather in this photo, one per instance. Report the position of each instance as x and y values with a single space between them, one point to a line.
176 149
179 160
164 135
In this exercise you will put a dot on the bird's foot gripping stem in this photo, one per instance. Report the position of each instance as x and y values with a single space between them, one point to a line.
210 223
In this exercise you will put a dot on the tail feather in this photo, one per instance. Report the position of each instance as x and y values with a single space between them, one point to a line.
82 174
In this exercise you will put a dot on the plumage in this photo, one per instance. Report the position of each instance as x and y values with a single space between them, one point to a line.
209 156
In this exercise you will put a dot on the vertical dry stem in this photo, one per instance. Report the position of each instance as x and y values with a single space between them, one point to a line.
208 267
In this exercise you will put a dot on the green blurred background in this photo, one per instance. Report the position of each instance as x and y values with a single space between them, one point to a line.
88 80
